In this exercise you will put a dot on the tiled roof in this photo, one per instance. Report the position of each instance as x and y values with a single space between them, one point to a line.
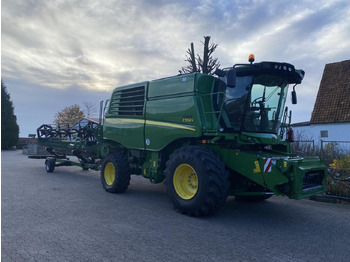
333 97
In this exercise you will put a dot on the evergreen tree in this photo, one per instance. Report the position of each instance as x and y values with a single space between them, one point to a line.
206 64
9 127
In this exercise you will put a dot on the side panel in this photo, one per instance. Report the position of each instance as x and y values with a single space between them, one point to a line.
127 131
171 111
125 120
170 119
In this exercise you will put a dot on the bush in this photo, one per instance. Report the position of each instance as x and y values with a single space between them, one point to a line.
338 180
335 155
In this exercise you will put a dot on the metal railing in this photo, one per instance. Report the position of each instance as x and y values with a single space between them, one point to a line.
336 156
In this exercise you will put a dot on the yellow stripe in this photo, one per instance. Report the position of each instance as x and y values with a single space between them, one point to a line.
157 123
124 120
149 122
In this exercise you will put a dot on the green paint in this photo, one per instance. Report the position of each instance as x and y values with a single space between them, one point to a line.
150 120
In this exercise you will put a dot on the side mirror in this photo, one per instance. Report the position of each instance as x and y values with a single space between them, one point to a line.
219 72
294 97
231 77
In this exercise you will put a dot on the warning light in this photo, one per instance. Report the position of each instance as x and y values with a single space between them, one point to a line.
251 58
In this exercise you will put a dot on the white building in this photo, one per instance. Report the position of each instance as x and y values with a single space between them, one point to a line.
330 119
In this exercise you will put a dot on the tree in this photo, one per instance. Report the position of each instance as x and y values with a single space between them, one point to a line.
89 108
69 115
206 64
9 127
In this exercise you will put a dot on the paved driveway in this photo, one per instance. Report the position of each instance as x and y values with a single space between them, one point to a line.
67 216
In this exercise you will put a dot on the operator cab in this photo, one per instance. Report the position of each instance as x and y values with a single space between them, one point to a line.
256 96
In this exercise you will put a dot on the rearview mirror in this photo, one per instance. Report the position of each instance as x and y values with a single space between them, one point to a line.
294 97
219 72
231 77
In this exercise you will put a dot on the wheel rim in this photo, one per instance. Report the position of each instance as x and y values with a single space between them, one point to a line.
185 181
109 173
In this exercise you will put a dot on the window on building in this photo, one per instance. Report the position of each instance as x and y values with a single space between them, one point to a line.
324 133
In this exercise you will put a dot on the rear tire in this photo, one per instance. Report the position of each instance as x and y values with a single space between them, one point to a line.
197 181
115 173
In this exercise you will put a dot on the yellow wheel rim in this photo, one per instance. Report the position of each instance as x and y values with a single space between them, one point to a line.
185 181
109 173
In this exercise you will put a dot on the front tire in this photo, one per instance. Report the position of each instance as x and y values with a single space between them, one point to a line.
197 181
115 173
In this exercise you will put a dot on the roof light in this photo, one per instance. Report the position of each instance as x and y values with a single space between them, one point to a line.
251 58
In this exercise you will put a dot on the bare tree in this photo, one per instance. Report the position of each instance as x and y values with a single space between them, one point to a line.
89 108
206 64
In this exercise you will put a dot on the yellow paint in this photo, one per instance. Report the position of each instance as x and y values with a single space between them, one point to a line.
257 167
109 173
185 181
147 122
158 123
187 119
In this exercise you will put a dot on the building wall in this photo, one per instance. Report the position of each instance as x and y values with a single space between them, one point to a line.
331 132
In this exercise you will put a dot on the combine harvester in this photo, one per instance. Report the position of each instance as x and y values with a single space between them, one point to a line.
207 137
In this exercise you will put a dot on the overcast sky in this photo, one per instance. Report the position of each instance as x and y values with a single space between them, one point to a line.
61 52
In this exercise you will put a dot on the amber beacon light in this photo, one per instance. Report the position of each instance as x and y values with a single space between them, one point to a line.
251 58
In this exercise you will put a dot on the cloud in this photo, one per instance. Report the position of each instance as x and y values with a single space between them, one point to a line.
94 46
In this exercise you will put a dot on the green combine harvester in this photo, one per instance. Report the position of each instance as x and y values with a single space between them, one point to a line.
208 137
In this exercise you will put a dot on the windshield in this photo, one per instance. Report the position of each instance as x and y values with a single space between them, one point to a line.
256 103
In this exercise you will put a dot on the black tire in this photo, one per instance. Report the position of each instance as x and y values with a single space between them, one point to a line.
115 173
50 165
85 168
206 185
252 198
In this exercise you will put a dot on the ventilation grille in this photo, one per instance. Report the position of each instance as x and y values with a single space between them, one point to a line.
128 102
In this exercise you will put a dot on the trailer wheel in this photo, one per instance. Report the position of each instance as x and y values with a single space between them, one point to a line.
197 181
115 173
50 165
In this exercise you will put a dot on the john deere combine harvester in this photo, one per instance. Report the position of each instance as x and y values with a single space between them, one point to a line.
207 137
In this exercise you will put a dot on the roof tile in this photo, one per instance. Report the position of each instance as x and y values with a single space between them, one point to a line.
333 97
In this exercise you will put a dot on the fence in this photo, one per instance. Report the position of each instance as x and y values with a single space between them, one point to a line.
336 155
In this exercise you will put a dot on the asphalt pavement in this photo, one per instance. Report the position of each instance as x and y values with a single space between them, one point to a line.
67 216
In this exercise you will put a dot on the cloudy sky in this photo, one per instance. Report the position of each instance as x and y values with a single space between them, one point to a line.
56 53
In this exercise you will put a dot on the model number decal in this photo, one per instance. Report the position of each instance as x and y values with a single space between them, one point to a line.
187 119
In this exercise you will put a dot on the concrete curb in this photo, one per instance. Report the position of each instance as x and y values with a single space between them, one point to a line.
330 199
